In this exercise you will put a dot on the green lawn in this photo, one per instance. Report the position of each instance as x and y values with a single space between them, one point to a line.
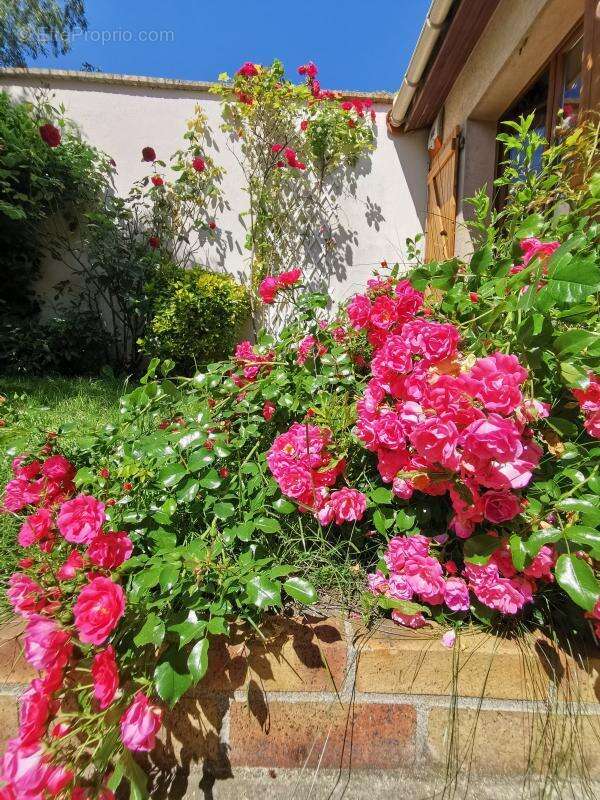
34 406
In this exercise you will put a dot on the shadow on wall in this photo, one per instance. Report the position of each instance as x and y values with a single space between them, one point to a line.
414 170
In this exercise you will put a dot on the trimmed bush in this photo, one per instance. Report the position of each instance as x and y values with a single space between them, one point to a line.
198 319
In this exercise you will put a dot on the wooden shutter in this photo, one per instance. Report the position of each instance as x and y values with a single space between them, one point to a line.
441 200
590 94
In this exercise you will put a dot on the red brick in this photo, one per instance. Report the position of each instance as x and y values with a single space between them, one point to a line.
296 655
288 735
13 667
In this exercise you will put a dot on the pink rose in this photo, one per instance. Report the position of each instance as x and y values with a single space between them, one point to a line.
383 313
345 505
58 468
47 647
34 708
71 567
36 527
79 520
456 594
377 582
433 341
248 69
105 676
140 724
399 588
98 609
110 550
401 548
268 410
19 492
268 290
29 471
25 595
435 440
24 768
534 248
424 575
390 431
289 278
402 488
500 506
589 398
542 565
58 778
409 620
494 438
359 310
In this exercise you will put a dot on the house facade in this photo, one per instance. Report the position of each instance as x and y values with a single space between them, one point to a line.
476 64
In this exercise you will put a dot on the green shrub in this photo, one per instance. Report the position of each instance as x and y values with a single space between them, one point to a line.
197 318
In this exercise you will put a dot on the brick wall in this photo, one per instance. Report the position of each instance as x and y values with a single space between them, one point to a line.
326 693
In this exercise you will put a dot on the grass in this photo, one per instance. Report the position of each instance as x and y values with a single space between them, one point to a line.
33 406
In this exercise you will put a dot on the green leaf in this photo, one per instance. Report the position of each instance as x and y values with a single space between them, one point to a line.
574 377
138 780
198 660
301 590
581 534
481 547
530 226
284 506
211 480
380 522
577 579
200 459
518 552
403 606
170 475
586 508
267 524
263 592
223 510
539 538
152 632
189 491
171 677
169 576
381 496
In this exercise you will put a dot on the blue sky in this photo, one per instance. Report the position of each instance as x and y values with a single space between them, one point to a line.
356 44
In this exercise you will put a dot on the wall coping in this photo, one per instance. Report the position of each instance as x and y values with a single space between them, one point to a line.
149 82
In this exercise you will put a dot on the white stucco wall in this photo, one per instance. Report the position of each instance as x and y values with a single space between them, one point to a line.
121 117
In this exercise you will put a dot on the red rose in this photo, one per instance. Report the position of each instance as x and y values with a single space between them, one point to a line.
212 224
50 134
248 70
304 125
105 676
157 180
154 242
58 469
98 609
148 154
198 164
110 550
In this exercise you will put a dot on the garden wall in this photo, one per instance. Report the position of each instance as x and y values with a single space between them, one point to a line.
121 114
324 697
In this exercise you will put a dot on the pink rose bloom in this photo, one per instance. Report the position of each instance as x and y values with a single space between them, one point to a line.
383 313
377 582
57 468
409 620
98 609
140 724
25 595
424 575
268 410
34 708
58 778
309 69
399 588
390 431
29 471
542 565
500 506
105 676
359 310
434 341
435 440
71 567
401 548
589 398
456 594
533 248
592 425
268 290
391 462
25 770
345 505
110 550
289 278
80 519
47 647
305 348
248 70
402 489
494 438
36 527
499 363
449 638
19 492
